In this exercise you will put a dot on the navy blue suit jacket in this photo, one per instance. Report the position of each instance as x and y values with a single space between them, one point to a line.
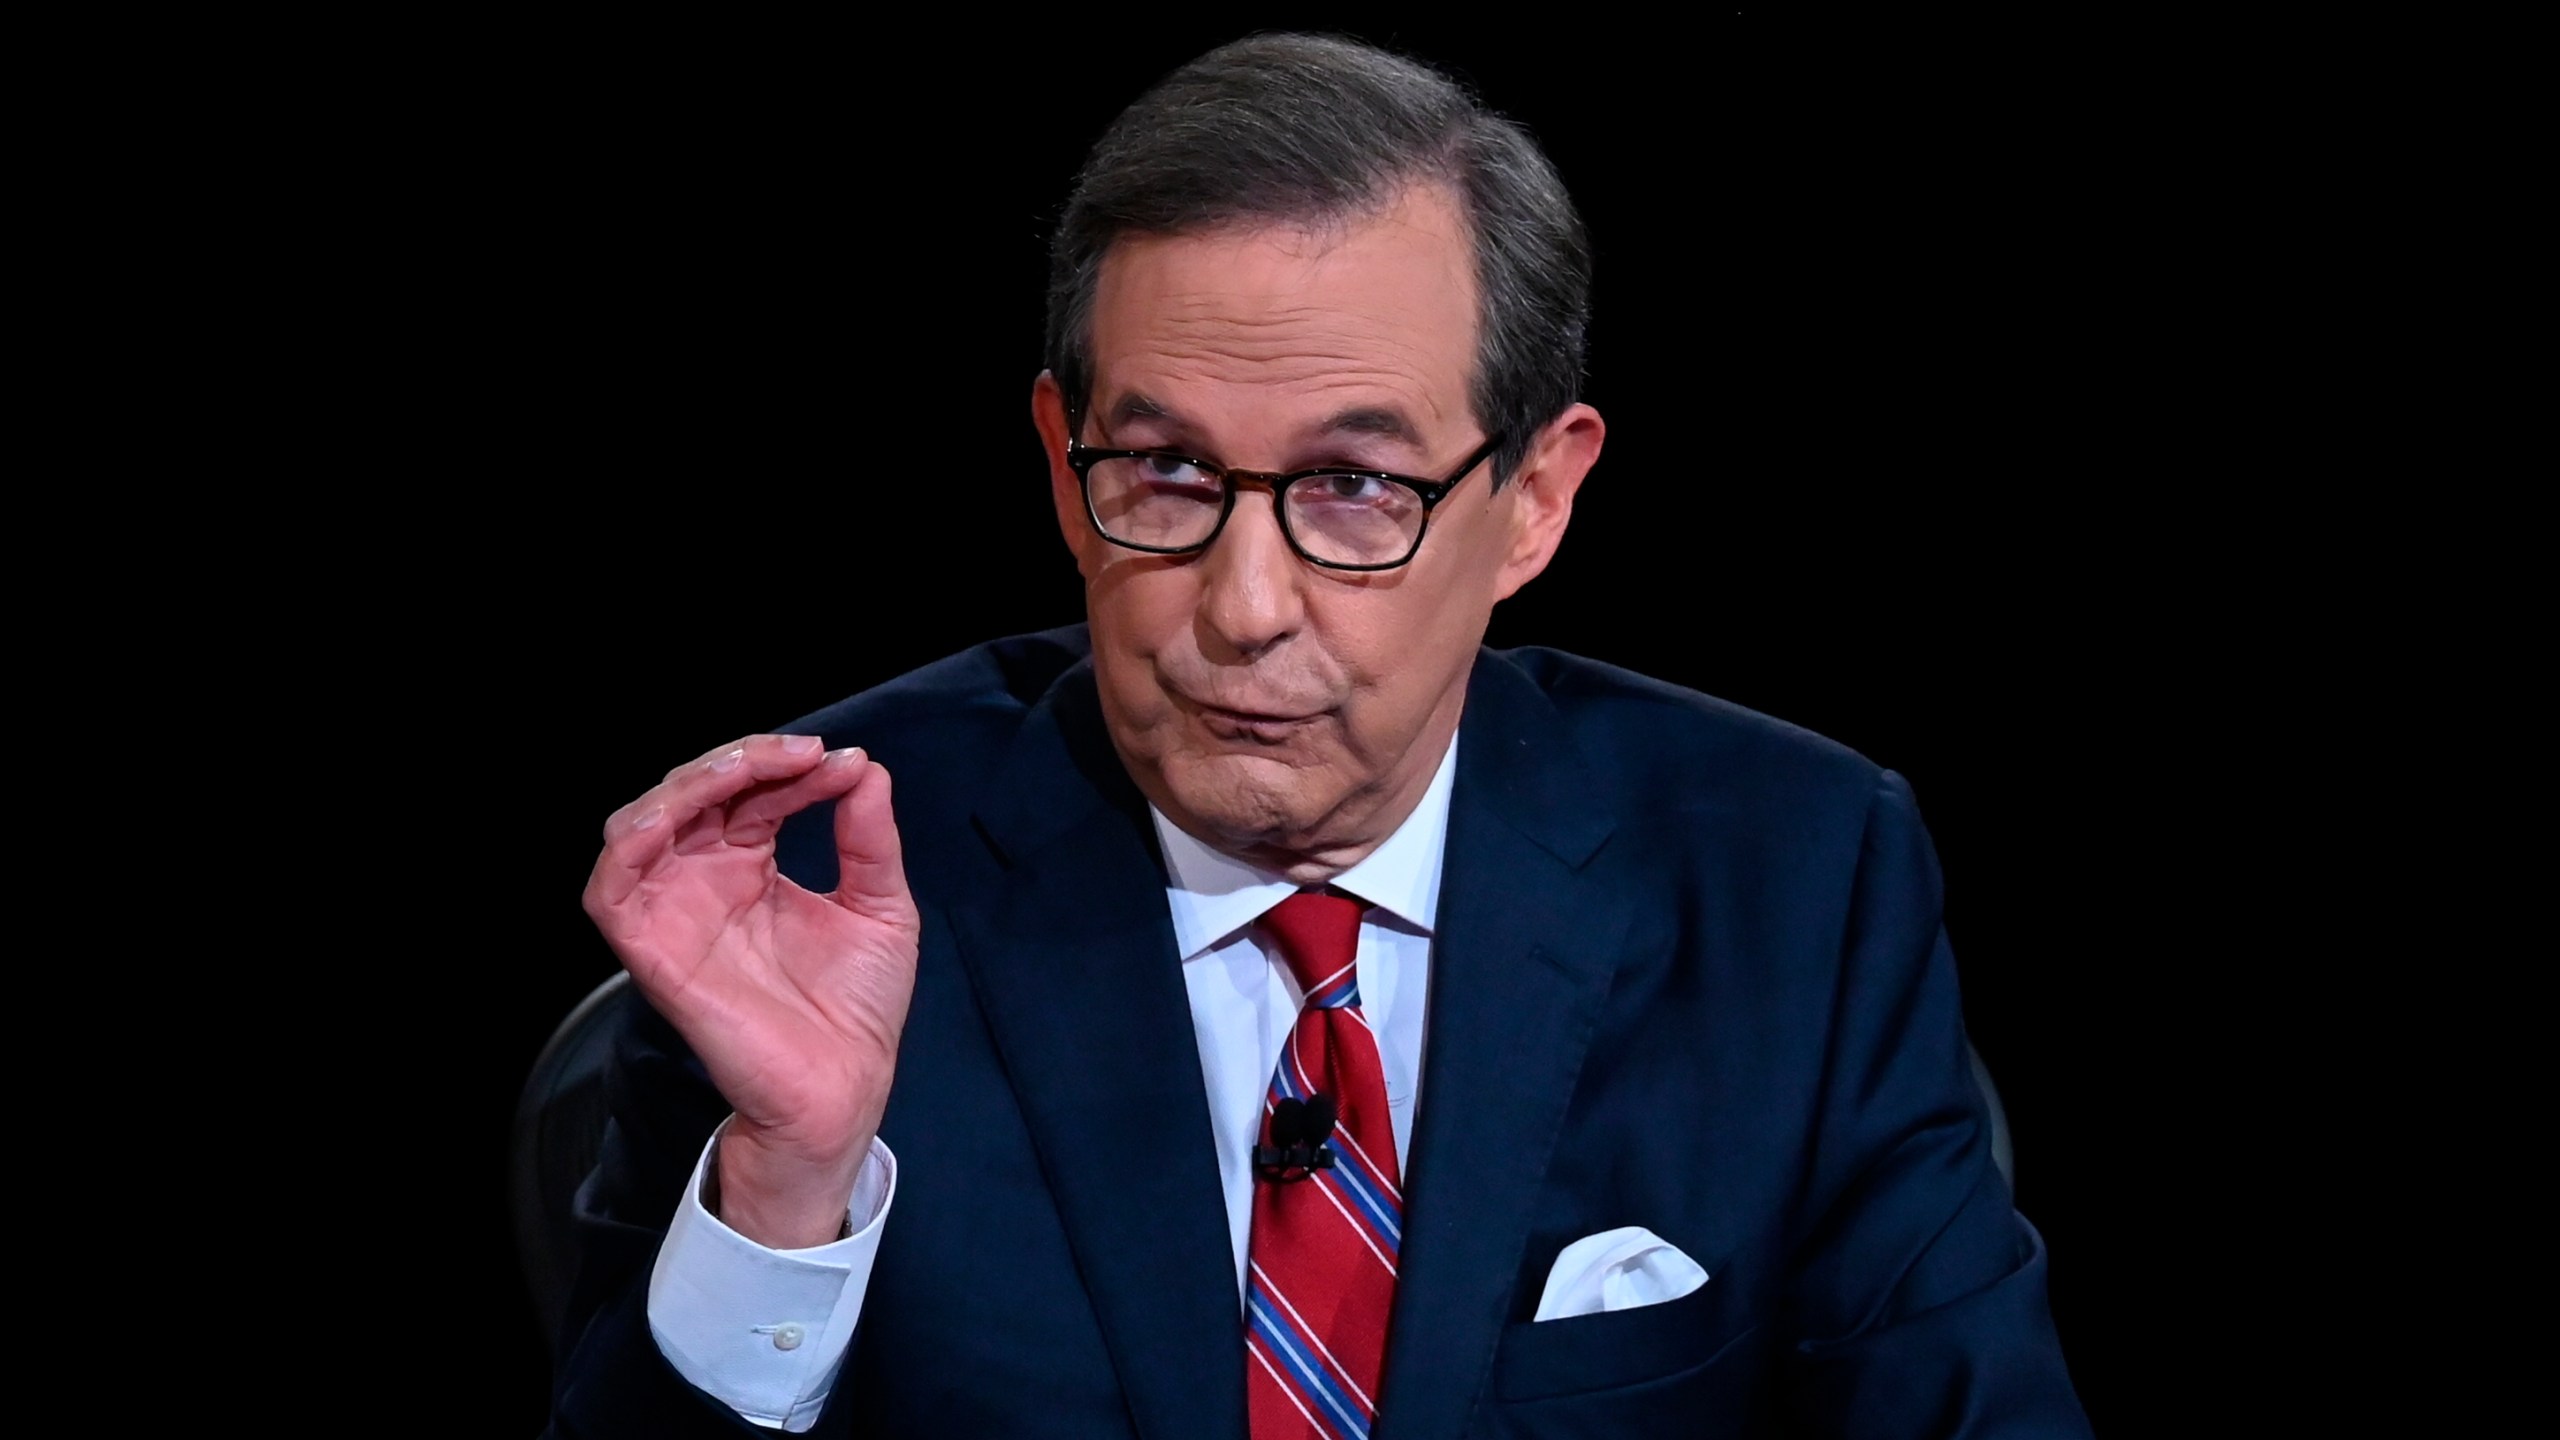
1689 975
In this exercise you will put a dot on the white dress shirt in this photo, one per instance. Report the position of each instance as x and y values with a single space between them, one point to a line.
767 1330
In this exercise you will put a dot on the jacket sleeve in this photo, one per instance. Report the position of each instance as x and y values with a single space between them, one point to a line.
1919 1289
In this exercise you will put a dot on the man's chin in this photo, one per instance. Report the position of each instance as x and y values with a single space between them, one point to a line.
1244 802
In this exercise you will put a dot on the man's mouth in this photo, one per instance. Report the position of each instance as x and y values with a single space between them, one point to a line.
1264 727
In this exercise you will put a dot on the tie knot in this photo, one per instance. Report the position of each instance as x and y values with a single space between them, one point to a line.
1319 935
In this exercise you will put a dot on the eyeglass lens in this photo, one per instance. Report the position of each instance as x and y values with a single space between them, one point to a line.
1165 503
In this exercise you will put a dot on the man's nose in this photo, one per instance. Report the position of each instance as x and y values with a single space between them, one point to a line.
1250 598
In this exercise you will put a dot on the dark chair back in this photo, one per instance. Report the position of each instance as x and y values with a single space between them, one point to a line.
2001 1155
558 1131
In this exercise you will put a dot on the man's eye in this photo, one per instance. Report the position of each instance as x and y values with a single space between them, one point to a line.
1174 471
1348 489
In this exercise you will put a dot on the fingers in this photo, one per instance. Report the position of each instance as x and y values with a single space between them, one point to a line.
755 815
871 872
642 832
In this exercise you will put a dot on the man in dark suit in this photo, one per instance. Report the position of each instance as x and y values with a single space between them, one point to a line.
1687 1143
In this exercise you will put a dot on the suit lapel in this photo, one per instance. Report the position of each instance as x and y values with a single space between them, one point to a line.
1528 936
1074 964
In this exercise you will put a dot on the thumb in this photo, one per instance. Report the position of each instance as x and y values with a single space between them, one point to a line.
871 872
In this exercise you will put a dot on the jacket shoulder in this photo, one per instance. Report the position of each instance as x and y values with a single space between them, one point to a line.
989 684
936 729
1656 746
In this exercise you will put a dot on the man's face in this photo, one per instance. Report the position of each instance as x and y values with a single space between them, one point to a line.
1284 713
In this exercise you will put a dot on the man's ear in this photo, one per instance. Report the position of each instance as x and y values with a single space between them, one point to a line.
1542 492
1049 417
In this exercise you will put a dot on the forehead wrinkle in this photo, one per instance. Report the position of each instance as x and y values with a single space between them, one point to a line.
1291 326
1307 371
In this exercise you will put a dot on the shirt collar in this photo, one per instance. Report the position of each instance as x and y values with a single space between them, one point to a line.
1214 895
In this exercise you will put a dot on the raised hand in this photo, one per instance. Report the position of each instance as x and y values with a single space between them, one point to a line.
794 1001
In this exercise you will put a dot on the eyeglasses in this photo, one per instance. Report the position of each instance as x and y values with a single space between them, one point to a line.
1167 503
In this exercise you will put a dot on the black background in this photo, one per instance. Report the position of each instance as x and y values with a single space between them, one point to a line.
728 342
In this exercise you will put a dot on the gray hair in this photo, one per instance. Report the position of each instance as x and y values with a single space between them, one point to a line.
1312 128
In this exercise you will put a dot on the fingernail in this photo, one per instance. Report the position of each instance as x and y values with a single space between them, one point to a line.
800 744
849 754
729 760
649 817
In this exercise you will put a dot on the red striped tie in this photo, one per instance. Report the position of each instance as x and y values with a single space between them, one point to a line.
1323 1256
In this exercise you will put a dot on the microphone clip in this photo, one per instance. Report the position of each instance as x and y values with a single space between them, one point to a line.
1297 1149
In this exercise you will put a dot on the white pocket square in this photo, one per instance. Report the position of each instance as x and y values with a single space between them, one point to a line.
1617 1270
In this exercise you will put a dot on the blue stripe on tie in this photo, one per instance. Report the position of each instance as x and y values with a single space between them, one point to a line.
1299 1360
1346 993
1305 1369
1332 1408
1370 1204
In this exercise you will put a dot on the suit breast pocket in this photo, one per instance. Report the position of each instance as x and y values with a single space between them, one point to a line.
1656 1369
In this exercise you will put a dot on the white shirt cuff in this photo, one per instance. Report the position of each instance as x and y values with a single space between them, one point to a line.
765 1331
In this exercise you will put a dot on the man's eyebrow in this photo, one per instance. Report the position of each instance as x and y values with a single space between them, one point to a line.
1378 420
1134 406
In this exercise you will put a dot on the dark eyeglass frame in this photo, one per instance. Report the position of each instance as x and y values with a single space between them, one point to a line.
1081 458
